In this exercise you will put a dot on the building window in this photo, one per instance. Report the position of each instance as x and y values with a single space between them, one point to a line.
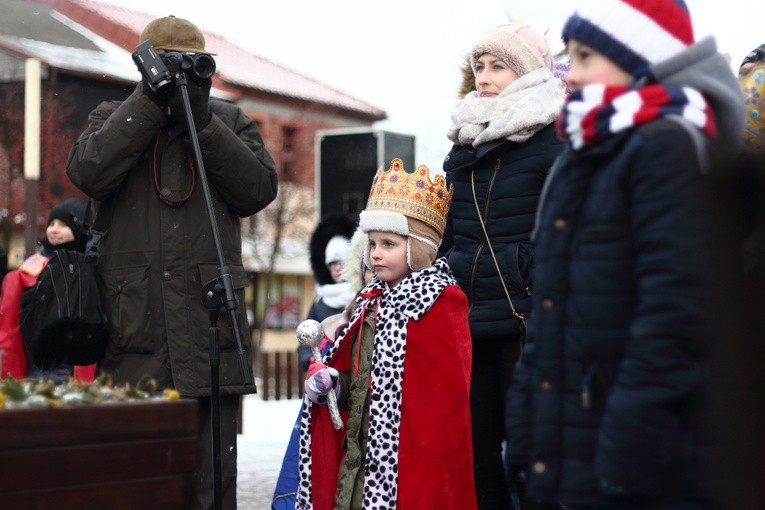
289 139
288 154
281 310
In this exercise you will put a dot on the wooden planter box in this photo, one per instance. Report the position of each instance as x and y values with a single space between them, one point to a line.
137 455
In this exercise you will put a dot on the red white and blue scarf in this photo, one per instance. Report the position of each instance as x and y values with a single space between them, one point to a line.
596 112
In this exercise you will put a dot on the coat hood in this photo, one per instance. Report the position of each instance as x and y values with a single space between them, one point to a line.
467 84
704 69
353 266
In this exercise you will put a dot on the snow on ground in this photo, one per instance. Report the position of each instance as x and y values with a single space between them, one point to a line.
266 428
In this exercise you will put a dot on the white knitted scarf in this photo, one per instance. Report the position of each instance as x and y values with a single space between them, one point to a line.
336 295
527 105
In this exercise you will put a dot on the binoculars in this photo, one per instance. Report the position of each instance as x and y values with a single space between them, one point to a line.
155 69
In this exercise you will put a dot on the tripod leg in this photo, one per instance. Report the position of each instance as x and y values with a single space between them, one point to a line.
215 403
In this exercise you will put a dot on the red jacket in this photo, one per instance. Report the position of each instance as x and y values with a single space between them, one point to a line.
14 358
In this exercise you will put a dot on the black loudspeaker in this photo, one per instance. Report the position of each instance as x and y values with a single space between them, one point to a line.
347 161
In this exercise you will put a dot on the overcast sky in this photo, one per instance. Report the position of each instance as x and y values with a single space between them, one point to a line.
404 55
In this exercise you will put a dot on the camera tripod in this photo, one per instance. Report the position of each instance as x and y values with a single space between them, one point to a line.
215 294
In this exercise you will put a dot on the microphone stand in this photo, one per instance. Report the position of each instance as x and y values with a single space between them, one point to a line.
214 294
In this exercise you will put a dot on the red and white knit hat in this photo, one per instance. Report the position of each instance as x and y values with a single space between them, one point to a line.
632 33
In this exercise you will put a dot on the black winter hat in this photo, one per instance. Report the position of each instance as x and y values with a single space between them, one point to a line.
72 213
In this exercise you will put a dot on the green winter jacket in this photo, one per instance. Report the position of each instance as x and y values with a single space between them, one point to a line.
154 257
350 480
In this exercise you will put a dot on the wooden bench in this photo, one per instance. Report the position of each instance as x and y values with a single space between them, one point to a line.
114 455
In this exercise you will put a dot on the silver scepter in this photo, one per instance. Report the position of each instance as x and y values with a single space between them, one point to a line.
310 333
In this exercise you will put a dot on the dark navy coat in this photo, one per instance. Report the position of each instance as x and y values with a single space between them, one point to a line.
606 403
508 179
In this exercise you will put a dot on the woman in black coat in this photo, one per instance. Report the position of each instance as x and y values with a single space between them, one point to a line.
505 143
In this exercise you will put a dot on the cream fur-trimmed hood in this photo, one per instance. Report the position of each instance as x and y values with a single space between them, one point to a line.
353 265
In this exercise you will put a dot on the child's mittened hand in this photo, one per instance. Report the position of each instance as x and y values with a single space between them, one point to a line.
320 379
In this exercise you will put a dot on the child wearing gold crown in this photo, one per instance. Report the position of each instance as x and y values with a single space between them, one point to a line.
400 368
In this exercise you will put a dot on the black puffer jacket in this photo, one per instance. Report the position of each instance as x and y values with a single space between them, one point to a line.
609 406
607 390
508 178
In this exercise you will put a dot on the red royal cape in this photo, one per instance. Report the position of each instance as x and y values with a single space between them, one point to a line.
435 445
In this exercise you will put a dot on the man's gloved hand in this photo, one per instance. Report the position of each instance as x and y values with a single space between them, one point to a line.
320 380
159 97
199 101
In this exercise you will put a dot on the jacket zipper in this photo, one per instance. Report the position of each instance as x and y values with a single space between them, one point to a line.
518 266
481 246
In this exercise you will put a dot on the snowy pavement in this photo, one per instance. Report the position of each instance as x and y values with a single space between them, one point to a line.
266 428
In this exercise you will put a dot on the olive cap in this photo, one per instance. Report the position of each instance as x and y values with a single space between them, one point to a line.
174 34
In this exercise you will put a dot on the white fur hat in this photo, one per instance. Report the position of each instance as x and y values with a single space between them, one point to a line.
336 249
422 239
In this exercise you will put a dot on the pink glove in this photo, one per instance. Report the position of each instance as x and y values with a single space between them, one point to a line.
319 380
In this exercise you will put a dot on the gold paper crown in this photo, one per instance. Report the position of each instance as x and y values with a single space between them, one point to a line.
411 194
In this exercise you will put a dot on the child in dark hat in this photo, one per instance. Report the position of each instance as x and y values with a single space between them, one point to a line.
607 406
69 214
66 230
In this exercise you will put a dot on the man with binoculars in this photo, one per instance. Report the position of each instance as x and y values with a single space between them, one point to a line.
160 63
155 248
